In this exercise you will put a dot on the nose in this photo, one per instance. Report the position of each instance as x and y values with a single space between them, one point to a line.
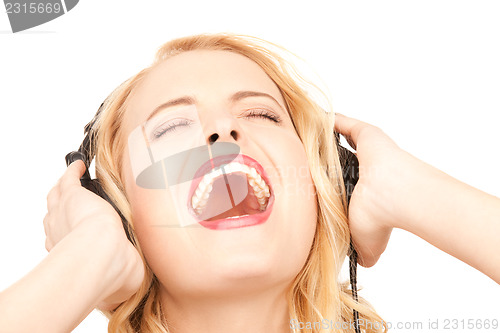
224 128
215 136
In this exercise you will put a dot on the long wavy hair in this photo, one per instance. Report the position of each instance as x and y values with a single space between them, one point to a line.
316 295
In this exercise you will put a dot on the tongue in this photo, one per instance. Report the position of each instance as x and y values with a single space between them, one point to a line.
234 198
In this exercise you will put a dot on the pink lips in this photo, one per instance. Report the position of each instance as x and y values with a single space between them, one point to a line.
232 223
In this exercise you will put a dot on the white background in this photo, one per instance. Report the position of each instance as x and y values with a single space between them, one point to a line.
426 72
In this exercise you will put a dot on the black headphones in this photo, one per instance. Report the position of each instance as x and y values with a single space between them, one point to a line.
350 173
86 154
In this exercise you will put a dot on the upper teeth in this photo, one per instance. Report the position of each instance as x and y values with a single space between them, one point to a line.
261 189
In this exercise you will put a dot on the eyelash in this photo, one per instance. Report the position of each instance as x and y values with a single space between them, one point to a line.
170 127
265 115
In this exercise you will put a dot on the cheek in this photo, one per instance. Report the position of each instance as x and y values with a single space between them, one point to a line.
296 199
299 212
153 215
162 241
292 181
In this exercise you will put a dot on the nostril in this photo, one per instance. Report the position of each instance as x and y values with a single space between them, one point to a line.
213 138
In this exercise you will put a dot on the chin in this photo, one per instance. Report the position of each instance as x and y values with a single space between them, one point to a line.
248 267
253 273
241 282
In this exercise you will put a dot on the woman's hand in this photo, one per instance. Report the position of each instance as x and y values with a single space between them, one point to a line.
72 208
375 207
397 190
90 263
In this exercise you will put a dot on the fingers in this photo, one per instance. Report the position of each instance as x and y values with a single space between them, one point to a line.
367 263
53 197
73 174
46 227
70 178
349 128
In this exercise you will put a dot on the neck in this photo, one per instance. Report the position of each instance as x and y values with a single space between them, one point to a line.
263 312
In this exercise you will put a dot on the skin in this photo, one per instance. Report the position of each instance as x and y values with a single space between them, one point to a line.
89 263
453 216
92 264
220 280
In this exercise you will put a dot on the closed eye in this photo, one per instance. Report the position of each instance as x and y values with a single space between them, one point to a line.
170 127
264 114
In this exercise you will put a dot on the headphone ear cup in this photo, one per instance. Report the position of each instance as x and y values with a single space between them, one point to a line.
350 170
350 167
94 186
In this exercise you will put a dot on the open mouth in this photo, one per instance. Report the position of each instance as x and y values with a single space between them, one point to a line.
230 191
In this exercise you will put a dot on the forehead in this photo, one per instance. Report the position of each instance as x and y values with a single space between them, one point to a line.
209 76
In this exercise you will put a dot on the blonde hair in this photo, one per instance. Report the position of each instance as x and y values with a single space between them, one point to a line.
316 294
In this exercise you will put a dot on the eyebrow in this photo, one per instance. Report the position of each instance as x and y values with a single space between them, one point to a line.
188 100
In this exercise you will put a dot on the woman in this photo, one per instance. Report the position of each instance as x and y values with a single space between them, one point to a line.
258 277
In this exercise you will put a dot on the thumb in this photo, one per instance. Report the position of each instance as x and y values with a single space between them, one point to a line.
73 174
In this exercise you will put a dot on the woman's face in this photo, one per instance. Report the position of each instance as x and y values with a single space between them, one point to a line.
233 98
